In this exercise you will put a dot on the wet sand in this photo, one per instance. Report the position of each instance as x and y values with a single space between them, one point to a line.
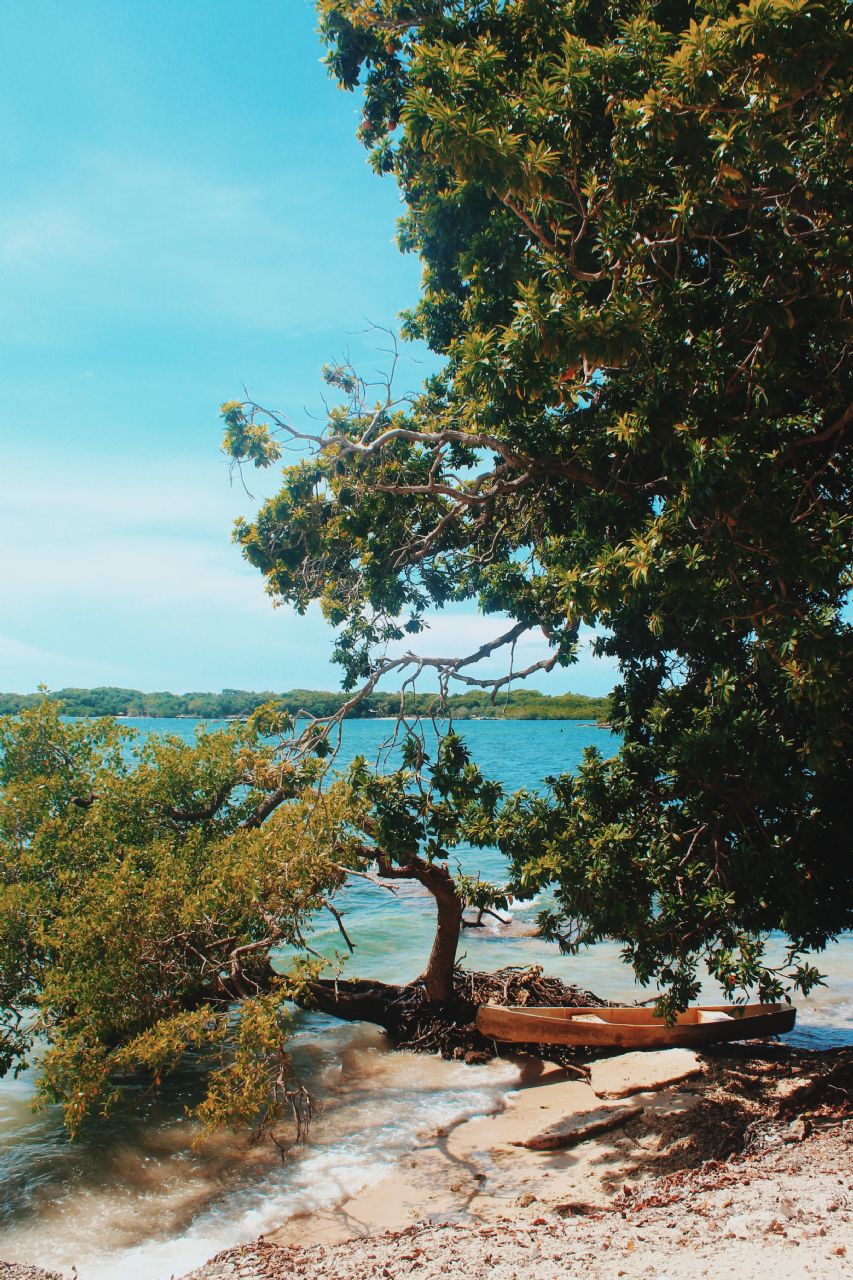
474 1173
641 1201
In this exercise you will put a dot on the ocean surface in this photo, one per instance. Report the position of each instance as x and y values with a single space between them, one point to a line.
136 1198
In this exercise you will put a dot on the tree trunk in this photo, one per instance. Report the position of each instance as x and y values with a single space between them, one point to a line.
437 977
357 1000
385 1004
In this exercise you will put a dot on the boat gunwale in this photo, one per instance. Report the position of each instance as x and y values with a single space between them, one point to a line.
617 1015
522 1024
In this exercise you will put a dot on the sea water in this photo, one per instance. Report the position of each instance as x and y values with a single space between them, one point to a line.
138 1197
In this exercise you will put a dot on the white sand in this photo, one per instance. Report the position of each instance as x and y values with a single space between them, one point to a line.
469 1204
785 1214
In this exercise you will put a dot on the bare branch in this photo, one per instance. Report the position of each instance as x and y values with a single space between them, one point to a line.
340 923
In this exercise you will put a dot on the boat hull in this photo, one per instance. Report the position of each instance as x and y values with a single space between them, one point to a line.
633 1028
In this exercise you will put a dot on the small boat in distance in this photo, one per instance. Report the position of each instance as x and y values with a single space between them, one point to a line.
601 1026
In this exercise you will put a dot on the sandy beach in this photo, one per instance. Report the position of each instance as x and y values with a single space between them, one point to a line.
711 1178
741 1166
476 1173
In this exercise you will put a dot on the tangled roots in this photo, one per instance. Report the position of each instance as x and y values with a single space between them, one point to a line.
449 1029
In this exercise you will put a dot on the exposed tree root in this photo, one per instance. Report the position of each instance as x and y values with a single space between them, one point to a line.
413 1023
829 1094
755 1096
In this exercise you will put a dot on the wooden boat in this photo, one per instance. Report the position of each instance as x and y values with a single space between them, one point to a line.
633 1028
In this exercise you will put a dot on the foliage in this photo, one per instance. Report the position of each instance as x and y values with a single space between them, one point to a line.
517 704
150 890
144 887
636 268
630 215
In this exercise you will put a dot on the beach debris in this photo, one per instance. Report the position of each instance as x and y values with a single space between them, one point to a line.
638 1072
798 1130
576 1209
579 1127
450 1029
23 1271
717 1218
830 1090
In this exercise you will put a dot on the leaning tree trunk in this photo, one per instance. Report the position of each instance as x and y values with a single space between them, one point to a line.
386 1004
437 977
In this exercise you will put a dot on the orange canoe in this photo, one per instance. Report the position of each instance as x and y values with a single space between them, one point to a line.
633 1028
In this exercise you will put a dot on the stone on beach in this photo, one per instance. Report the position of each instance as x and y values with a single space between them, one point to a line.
637 1072
579 1127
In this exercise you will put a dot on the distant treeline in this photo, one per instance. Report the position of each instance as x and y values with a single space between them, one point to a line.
520 704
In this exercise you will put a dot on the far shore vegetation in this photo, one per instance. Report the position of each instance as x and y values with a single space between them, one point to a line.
518 704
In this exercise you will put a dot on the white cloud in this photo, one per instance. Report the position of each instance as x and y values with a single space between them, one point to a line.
106 494
14 651
23 665
456 634
126 574
155 532
37 239
139 571
161 242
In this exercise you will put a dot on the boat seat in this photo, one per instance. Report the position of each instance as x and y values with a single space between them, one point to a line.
714 1015
587 1017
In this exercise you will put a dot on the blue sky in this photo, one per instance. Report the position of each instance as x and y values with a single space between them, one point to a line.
185 210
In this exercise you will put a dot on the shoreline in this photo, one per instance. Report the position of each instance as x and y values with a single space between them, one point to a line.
746 1219
474 1171
724 1165
468 1193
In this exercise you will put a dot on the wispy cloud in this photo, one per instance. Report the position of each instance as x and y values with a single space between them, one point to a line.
14 651
36 240
166 242
25 665
104 495
134 568
140 572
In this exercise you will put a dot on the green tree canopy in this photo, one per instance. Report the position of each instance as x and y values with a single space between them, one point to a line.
143 887
156 897
631 219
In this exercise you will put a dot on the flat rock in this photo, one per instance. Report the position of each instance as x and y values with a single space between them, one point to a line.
579 1127
637 1072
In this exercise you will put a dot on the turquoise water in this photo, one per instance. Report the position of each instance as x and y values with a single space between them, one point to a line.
135 1200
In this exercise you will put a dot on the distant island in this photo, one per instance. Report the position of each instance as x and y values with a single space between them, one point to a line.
519 704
